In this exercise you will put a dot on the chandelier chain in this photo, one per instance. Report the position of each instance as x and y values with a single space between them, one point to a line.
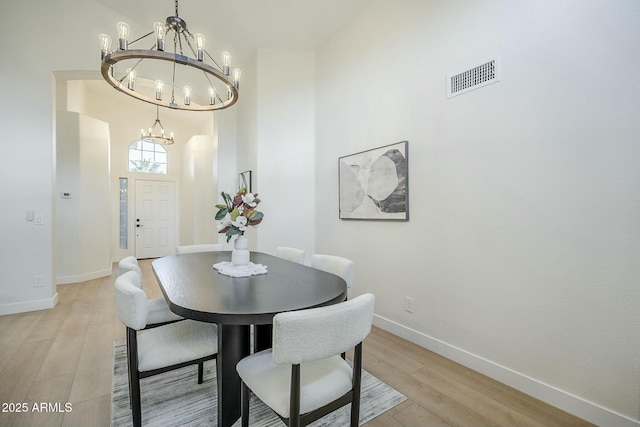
158 117
173 85
177 41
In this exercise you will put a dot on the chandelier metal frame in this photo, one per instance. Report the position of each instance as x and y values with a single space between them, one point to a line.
155 138
178 58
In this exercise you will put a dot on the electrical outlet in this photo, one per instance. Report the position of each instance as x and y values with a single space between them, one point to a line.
408 304
38 281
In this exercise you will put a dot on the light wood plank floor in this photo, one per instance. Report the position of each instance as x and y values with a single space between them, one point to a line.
64 355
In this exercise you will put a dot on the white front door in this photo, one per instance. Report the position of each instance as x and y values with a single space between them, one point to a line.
155 218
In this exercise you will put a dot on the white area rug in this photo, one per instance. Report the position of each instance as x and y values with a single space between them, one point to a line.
176 399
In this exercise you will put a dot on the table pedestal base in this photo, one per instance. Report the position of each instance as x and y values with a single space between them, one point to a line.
233 345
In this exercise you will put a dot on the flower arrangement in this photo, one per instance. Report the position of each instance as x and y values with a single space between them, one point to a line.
237 213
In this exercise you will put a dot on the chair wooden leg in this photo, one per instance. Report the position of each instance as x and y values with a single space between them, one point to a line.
129 370
244 401
200 372
136 408
357 386
355 409
134 378
294 409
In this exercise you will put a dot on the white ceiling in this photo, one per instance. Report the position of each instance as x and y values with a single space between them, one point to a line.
241 26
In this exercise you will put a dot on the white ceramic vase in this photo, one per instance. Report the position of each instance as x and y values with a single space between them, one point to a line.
240 254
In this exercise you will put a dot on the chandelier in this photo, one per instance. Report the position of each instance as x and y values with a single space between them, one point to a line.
180 81
153 136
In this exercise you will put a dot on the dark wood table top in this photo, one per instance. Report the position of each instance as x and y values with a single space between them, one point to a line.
195 290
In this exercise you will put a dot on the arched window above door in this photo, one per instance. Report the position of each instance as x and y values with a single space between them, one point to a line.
147 157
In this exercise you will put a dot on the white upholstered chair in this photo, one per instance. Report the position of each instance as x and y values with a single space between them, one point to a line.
129 263
209 247
290 254
161 349
337 265
303 377
158 310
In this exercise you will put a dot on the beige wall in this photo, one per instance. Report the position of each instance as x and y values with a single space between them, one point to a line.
83 221
198 192
27 163
276 141
285 151
521 252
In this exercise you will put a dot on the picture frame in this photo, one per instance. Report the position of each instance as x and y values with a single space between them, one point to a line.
374 184
244 180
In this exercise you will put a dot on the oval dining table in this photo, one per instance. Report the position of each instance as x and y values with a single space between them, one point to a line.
195 290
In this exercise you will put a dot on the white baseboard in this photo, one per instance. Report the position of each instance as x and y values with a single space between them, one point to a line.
568 402
21 307
64 280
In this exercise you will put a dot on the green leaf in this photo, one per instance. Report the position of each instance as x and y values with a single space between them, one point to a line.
231 232
234 214
227 198
221 206
257 216
221 214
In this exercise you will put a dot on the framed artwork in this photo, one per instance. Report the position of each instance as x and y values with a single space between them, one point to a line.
374 184
244 180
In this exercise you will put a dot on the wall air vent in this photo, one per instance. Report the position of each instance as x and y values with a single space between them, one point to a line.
474 78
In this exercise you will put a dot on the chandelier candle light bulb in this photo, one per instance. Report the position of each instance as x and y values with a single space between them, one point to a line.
236 78
159 87
131 84
200 45
123 35
160 30
105 45
187 95
226 62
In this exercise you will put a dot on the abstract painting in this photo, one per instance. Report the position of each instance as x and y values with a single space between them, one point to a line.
374 184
